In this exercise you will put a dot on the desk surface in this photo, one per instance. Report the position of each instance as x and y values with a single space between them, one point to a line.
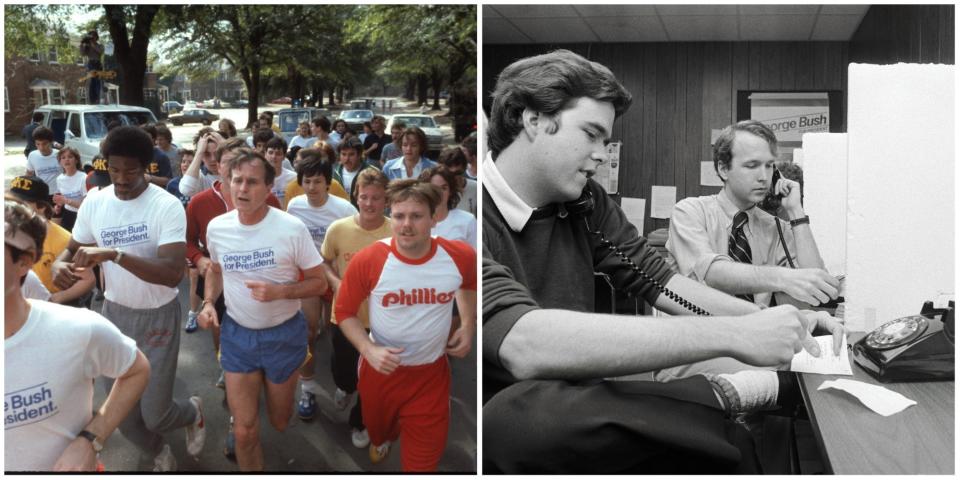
855 440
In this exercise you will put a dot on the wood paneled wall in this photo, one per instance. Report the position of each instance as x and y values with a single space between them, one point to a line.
683 90
905 33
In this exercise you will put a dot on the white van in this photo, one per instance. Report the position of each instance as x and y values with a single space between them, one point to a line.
84 126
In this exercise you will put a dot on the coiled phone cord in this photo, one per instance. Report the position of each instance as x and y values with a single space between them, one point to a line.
625 259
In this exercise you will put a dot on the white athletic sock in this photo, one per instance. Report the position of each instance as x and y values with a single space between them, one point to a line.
309 385
746 391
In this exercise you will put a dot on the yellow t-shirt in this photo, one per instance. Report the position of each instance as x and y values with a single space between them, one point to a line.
57 240
344 239
294 189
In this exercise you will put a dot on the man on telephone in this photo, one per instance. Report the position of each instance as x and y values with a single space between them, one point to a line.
728 243
547 228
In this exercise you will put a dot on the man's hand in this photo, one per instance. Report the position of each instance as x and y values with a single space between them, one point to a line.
810 285
383 359
460 342
59 199
264 291
790 190
93 256
771 337
78 457
207 317
65 274
823 320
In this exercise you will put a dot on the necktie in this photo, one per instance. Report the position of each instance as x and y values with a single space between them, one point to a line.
739 248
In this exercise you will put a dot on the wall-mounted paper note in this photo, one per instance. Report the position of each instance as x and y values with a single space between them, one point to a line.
708 176
879 399
662 200
827 363
634 209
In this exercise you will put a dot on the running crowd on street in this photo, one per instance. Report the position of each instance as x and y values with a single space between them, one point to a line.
279 241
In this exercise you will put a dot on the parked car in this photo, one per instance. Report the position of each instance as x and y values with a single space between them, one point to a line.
356 118
288 119
426 123
241 103
282 100
171 107
84 126
194 116
215 103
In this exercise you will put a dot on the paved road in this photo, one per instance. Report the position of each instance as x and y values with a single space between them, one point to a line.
322 445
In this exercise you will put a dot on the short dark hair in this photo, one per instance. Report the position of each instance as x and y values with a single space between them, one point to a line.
151 129
723 146
248 155
203 131
42 133
262 135
231 128
452 157
322 122
129 141
453 183
402 190
352 142
470 143
547 84
163 131
37 116
417 133
277 143
231 145
399 124
312 163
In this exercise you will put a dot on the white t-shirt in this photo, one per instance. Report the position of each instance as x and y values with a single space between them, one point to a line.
280 182
318 219
138 227
348 177
302 142
274 250
33 288
74 188
48 390
459 225
45 167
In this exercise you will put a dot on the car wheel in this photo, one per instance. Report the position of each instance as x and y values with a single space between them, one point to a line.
176 122
207 123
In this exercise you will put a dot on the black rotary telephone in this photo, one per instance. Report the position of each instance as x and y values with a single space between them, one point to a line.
911 349
582 207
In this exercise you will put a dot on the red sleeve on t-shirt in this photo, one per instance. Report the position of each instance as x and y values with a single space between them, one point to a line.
466 259
362 275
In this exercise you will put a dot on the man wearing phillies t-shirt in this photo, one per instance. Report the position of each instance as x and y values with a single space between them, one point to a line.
410 281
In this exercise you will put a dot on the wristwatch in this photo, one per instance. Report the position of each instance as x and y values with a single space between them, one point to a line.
800 221
97 446
119 255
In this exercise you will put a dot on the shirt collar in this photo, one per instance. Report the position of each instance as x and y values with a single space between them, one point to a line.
730 210
514 210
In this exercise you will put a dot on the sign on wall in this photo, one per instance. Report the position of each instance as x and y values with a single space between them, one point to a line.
790 115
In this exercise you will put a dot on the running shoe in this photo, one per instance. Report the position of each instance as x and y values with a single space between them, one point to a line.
230 445
197 432
341 399
307 406
192 324
165 461
360 438
379 452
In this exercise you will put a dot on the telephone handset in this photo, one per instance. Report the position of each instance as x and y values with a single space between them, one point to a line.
910 349
582 207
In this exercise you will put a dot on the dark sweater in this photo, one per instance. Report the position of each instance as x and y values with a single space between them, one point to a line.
550 264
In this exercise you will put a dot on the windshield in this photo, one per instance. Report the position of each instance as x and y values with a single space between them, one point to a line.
289 122
96 122
357 114
422 122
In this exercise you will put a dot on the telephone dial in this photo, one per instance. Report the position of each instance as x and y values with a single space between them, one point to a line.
911 349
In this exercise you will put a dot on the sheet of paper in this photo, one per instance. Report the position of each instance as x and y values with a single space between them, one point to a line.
708 176
827 363
634 209
879 399
662 200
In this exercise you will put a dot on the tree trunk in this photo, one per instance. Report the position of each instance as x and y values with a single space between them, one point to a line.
422 89
131 56
254 89
436 79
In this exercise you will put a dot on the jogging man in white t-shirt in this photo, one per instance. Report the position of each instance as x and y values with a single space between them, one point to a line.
136 231
48 399
258 255
410 282
317 209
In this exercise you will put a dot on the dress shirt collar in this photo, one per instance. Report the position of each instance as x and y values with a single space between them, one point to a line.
730 210
514 210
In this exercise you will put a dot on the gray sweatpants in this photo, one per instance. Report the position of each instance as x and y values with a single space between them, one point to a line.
157 334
